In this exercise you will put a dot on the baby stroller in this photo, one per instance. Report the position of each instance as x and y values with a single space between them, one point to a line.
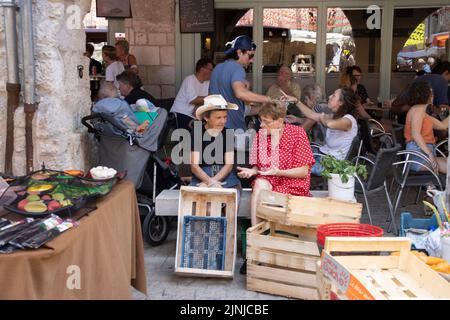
140 157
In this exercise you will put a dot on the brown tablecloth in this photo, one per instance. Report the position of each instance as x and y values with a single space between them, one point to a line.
107 247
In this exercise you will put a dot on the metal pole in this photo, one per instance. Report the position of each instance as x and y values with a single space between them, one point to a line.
29 80
12 85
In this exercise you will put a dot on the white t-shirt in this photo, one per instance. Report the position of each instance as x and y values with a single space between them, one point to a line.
112 71
338 142
189 90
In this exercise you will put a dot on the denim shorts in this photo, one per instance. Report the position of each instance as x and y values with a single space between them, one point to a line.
412 146
317 168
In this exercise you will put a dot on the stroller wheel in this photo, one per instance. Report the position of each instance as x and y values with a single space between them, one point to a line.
155 229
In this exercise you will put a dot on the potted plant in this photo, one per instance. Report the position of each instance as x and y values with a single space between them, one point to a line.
341 177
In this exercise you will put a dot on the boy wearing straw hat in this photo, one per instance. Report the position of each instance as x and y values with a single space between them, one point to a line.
212 149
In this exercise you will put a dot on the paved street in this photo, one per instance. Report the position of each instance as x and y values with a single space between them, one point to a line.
164 284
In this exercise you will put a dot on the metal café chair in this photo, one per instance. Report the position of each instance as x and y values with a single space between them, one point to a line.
378 171
406 178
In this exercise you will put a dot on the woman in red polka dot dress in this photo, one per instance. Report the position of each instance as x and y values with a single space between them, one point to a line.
281 156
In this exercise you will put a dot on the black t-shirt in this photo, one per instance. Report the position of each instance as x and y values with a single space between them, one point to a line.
207 145
362 93
137 94
95 63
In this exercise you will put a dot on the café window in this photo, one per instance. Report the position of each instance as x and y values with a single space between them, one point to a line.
420 39
354 38
228 26
290 36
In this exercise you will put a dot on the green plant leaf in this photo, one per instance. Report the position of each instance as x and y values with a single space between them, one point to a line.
343 168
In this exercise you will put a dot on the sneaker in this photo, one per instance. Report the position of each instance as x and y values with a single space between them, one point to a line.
243 269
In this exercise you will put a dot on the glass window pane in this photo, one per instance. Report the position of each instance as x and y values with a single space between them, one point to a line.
230 23
420 39
290 36
354 38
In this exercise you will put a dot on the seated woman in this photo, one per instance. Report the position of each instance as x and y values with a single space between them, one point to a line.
212 157
341 125
419 127
349 81
281 156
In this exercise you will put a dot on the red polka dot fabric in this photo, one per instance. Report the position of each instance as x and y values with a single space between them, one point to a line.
293 151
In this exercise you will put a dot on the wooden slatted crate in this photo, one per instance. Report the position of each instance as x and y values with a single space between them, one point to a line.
379 277
282 260
305 211
208 202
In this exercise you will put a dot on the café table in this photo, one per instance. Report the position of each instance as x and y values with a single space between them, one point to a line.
102 258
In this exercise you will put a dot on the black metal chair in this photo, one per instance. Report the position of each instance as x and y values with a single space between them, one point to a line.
406 178
378 171
373 137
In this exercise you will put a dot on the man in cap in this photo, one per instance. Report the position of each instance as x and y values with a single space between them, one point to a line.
228 80
212 155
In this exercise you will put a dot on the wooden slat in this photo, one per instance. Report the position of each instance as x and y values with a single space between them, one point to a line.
411 284
323 284
349 244
364 262
305 234
290 277
324 206
275 243
374 290
210 191
384 280
282 289
216 209
231 215
315 221
203 273
282 259
427 278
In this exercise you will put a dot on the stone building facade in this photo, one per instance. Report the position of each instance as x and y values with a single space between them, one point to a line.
151 33
60 141
62 98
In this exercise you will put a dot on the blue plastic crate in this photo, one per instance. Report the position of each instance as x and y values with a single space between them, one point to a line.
203 243
408 222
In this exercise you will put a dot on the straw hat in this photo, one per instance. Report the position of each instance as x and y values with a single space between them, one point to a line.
214 102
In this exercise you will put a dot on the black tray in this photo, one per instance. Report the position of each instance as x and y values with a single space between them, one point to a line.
77 204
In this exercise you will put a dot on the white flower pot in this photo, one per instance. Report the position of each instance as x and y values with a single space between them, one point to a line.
341 191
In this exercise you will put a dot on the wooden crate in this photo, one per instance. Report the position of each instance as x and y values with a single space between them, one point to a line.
305 211
202 202
282 264
379 277
323 284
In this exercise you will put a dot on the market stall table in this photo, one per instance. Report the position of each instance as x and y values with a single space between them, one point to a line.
104 255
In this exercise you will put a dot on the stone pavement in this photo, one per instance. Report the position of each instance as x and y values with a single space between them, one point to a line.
164 284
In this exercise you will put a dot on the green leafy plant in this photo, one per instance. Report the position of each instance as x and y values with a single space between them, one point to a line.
343 168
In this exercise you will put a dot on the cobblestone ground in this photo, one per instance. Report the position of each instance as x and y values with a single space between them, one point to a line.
164 284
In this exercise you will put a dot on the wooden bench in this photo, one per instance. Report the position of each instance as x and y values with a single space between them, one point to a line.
166 203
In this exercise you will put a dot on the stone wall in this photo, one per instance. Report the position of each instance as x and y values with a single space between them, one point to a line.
62 97
151 33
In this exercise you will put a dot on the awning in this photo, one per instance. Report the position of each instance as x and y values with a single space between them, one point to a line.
311 37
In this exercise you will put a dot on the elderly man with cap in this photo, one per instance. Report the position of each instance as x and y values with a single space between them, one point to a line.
228 80
212 153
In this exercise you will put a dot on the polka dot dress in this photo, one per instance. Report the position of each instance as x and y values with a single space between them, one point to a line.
293 151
